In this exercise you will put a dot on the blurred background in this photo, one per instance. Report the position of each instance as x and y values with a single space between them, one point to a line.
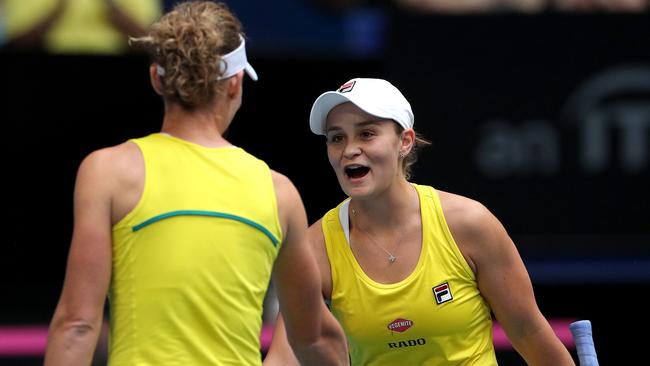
540 109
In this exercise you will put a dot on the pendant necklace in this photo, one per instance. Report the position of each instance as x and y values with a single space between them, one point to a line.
391 257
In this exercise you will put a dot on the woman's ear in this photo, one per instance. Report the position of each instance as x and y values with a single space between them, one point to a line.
235 84
155 78
408 140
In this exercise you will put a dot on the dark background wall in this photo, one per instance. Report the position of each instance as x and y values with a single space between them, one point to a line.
544 119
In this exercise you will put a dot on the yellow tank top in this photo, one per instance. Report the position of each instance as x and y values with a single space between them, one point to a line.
192 261
435 316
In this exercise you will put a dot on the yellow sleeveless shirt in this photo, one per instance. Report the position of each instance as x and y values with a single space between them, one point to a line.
435 316
192 261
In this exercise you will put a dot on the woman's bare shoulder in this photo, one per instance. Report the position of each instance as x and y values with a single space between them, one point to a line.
461 209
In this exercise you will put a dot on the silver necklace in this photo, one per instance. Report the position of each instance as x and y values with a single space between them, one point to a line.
391 257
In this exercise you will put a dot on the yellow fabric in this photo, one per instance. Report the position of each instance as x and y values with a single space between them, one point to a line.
423 332
84 26
188 290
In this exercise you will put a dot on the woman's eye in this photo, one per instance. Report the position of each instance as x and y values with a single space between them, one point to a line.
367 134
334 139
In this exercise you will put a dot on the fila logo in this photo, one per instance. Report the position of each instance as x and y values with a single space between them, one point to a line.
400 325
347 87
442 293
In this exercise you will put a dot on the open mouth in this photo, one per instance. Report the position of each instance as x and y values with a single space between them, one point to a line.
356 171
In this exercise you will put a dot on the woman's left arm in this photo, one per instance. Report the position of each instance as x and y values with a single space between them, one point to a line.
504 282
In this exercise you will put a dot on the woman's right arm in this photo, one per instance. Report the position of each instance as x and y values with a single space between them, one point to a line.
313 333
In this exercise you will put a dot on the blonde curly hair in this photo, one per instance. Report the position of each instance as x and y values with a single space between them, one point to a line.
188 43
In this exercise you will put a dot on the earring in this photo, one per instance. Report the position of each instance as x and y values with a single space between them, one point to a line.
402 155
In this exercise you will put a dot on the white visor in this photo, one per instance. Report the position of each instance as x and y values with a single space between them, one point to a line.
236 61
231 63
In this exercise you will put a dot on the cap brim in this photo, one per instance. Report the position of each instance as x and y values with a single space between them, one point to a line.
321 108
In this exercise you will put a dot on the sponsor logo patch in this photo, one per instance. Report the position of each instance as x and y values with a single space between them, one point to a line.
408 343
442 293
347 87
400 325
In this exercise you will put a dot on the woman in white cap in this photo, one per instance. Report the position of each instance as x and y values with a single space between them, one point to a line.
182 229
412 273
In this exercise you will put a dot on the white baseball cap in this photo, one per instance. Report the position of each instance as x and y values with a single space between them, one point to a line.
376 97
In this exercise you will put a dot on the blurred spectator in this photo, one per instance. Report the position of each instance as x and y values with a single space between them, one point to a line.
473 6
601 5
482 6
74 26
2 23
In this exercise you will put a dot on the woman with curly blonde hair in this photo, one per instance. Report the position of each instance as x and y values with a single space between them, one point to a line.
183 230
